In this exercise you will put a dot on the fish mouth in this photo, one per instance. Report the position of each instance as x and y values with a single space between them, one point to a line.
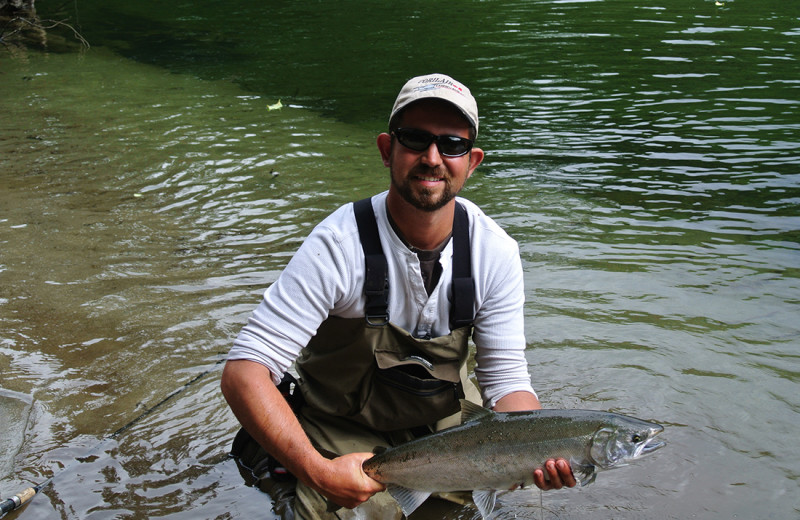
651 446
652 443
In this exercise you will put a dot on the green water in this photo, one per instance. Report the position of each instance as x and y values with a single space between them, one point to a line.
644 156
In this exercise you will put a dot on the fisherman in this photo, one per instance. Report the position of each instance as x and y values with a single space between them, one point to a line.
375 310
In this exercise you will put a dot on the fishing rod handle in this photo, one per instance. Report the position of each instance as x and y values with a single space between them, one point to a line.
17 500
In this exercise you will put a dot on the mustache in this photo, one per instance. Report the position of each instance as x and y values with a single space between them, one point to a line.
427 171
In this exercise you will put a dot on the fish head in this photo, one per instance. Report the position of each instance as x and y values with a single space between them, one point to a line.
622 440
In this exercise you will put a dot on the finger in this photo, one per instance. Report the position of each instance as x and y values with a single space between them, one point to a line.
538 479
567 478
373 484
552 472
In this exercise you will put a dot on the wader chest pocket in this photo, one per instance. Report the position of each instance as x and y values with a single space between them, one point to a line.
409 395
414 380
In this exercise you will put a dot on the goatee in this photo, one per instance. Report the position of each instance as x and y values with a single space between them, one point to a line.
424 198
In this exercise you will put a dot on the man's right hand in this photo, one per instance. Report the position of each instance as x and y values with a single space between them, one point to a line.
343 481
264 413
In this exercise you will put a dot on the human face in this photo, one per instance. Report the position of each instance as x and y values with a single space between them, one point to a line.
427 180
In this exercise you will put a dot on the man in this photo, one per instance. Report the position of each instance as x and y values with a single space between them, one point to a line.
376 308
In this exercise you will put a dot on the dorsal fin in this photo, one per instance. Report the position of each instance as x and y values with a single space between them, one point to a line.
472 412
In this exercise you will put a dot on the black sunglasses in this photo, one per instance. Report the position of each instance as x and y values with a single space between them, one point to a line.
420 140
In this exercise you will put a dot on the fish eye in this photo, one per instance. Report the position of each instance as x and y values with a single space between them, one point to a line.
636 438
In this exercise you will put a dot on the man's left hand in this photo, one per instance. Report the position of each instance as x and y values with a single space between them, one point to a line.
555 474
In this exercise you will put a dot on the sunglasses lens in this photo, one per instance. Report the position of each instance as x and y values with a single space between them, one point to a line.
452 146
417 140
420 140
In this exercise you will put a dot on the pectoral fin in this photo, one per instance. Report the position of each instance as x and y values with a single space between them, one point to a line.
484 500
584 473
409 499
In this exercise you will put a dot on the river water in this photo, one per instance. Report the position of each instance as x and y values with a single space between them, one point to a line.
644 156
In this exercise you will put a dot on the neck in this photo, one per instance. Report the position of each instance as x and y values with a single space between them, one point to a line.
421 229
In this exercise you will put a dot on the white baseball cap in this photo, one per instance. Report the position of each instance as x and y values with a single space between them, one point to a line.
438 86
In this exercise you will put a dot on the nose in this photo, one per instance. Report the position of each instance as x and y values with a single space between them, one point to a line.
431 157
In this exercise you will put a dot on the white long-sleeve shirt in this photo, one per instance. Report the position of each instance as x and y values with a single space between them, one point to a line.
326 277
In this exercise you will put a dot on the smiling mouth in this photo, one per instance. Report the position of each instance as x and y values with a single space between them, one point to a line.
428 175
432 175
429 179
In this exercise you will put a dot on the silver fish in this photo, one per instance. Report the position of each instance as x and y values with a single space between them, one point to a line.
491 452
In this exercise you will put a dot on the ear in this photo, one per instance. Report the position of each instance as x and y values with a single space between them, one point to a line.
475 158
385 147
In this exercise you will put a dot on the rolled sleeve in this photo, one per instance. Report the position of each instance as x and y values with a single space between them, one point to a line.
499 333
316 280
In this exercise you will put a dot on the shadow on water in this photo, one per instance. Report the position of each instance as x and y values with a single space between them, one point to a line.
322 55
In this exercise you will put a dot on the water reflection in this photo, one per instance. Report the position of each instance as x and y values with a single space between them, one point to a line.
643 157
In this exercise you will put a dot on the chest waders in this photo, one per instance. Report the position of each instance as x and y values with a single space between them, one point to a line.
366 382
372 372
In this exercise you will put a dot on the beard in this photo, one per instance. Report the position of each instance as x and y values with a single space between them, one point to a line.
423 198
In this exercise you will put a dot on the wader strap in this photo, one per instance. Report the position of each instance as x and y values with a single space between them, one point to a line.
376 283
461 312
376 280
